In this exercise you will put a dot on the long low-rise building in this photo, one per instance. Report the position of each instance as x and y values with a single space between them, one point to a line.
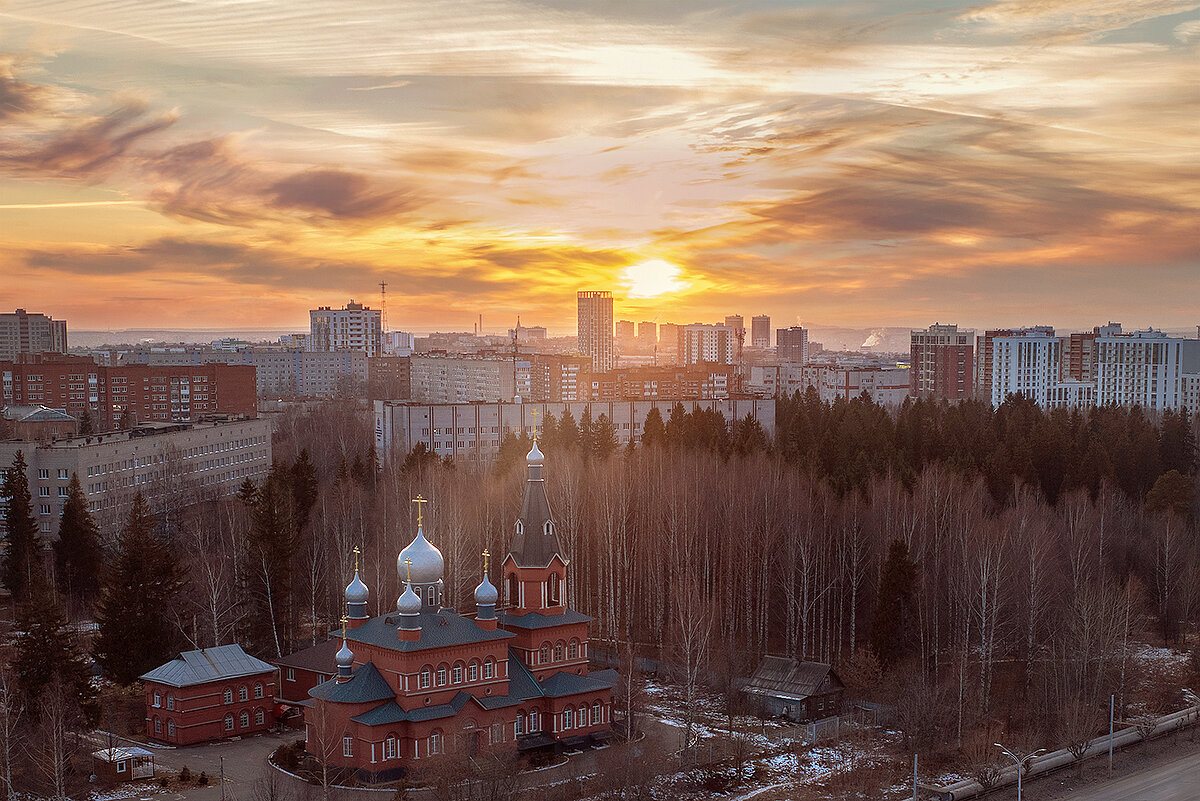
172 463
475 430
886 385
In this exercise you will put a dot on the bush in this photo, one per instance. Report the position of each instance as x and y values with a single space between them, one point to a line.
185 775
203 779
165 782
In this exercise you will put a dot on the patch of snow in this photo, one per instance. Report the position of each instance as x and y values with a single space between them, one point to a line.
122 791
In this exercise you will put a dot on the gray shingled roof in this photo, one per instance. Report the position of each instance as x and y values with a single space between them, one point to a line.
562 684
365 685
391 712
318 658
208 664
438 630
780 677
521 686
537 620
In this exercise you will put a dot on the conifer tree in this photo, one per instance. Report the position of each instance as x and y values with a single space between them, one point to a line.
654 431
304 488
272 544
20 531
587 432
604 437
46 650
138 592
894 627
86 426
567 431
77 552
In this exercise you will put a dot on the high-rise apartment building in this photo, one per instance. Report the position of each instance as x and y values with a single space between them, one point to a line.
626 330
715 344
791 344
1027 363
942 362
595 328
1079 352
647 334
760 331
1145 368
736 322
983 355
355 327
22 332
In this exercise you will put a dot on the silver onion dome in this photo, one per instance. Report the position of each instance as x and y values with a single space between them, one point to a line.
427 562
486 593
408 603
535 457
344 657
356 591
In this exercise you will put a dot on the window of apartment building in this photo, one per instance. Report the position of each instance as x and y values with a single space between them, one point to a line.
43 472
43 492
45 509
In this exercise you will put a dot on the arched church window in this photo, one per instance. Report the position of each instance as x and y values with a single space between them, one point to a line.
595 713
441 676
573 650
558 651
435 742
473 671
423 679
544 654
514 590
489 669
552 589
456 674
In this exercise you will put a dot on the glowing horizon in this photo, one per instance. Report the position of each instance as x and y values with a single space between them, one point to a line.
227 164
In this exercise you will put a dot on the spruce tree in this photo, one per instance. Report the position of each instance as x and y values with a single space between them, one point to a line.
304 488
77 553
604 437
272 543
46 650
20 531
567 431
654 431
894 627
138 592
86 426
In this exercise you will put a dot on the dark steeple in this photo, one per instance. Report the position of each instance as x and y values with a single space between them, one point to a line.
536 542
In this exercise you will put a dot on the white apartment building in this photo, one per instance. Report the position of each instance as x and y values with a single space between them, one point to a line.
475 430
1025 362
715 344
1145 368
165 462
354 327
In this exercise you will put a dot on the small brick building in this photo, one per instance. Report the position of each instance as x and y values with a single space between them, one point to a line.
209 694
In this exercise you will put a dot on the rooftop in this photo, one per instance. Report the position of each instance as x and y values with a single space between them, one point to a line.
208 664
438 630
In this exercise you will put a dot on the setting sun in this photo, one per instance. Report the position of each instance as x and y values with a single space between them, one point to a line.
649 279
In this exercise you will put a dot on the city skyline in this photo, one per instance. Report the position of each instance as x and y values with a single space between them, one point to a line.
1009 163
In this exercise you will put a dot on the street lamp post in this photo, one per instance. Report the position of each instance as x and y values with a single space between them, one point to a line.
1020 762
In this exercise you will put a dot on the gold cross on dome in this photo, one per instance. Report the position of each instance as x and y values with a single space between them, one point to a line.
356 553
408 568
344 619
534 414
485 560
420 502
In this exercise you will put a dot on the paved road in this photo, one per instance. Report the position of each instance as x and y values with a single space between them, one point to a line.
1178 780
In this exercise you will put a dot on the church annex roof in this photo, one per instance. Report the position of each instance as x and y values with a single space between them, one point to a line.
562 684
391 712
536 620
208 664
317 658
522 686
438 630
366 684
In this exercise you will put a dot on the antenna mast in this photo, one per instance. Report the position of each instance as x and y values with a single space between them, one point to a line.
383 306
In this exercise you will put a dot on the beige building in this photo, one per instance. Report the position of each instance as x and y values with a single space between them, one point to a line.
22 332
595 328
354 327
165 462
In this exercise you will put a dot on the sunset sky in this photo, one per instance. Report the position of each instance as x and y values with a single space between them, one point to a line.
236 162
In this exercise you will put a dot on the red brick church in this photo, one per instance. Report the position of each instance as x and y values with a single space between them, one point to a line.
424 679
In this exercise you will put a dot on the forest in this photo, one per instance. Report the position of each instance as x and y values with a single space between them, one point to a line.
966 565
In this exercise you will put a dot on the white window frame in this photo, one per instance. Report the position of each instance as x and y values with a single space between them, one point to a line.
258 691
229 722
347 746
456 674
243 694
423 679
489 669
473 671
227 696
441 677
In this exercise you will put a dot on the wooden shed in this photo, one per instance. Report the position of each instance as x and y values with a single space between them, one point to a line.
799 691
123 764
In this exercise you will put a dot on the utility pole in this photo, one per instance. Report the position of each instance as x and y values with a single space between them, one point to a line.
914 777
1112 700
382 315
222 779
